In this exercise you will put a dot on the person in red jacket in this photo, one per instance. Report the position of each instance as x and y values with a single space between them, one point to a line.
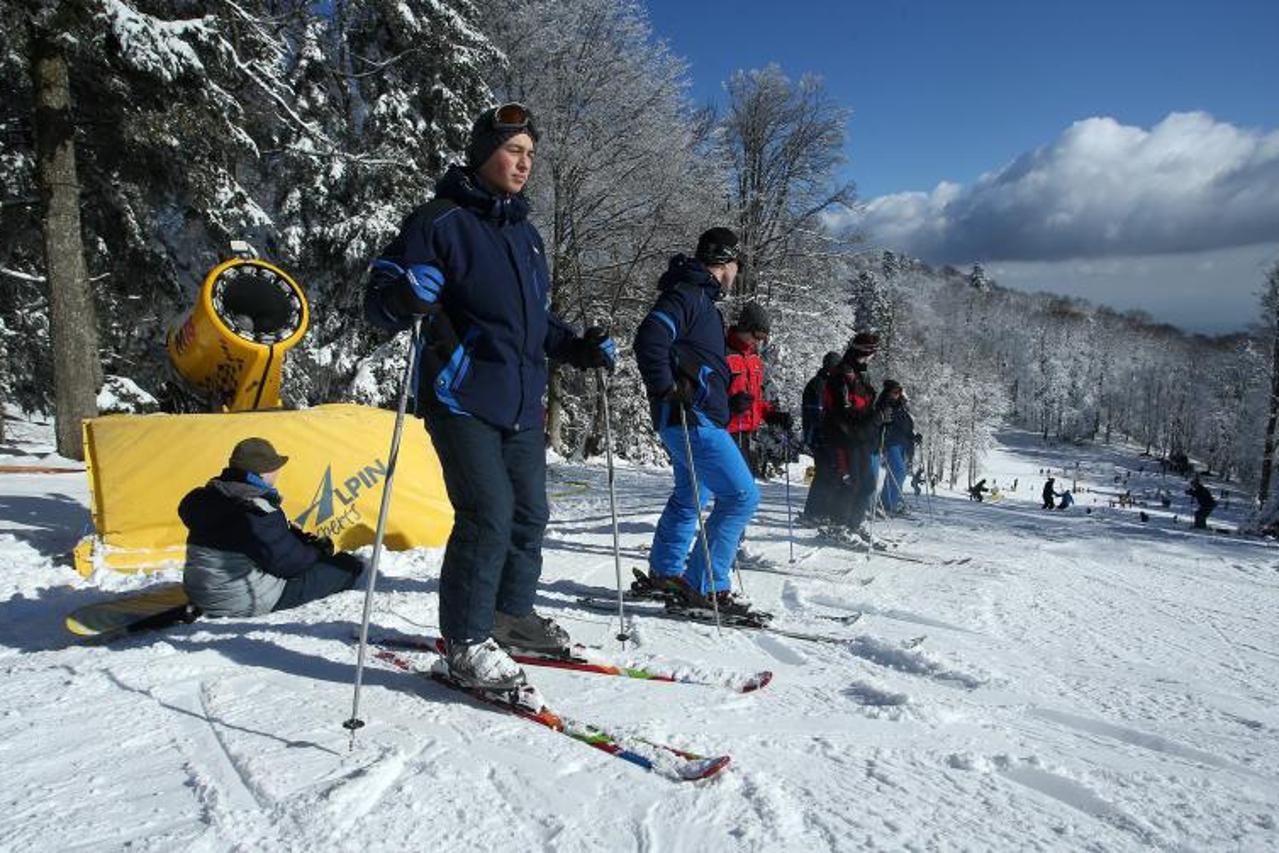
749 410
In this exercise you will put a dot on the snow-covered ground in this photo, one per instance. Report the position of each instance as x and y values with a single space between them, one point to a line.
1085 681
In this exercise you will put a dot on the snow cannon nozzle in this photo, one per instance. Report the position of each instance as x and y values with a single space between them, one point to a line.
228 350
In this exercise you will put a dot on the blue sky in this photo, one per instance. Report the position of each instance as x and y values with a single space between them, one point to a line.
1124 152
949 89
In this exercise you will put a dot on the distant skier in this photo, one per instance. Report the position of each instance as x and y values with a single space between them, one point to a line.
976 492
1050 494
682 357
917 482
1067 500
244 557
473 267
898 442
1207 503
825 488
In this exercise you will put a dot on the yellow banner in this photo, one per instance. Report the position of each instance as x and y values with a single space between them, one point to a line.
141 466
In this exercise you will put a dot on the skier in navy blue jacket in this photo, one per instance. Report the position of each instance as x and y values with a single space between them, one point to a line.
471 265
680 347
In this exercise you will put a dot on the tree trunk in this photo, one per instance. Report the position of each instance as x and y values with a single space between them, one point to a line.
1268 448
555 408
73 328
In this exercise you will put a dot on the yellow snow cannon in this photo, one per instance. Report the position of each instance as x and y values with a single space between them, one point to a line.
230 348
227 354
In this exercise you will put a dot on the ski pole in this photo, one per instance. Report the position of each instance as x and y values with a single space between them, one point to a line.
790 529
355 723
701 526
622 636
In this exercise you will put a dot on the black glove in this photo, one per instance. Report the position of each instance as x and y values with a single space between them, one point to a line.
919 438
780 418
347 561
321 543
680 396
740 402
593 349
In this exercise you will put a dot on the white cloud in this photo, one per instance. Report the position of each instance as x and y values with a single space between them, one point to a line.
1102 189
1213 291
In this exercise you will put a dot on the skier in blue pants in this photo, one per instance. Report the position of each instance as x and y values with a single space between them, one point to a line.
898 442
681 352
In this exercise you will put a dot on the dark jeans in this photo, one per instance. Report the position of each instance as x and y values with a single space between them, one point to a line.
496 480
859 485
824 492
1201 516
320 581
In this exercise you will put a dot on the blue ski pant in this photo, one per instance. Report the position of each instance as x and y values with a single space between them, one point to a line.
895 457
722 474
496 480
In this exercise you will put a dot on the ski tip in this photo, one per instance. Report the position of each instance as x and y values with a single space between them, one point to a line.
704 768
757 682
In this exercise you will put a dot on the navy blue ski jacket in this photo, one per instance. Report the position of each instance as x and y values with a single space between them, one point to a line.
683 336
484 351
230 513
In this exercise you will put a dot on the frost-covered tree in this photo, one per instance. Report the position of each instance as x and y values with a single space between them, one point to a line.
783 142
1270 325
621 179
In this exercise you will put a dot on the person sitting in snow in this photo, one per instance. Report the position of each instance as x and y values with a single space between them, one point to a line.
1067 499
244 557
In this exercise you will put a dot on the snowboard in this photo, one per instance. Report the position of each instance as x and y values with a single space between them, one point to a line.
154 607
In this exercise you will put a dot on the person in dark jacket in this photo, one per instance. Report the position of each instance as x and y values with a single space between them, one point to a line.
850 429
977 491
898 442
473 268
1050 494
244 557
819 505
1207 503
680 349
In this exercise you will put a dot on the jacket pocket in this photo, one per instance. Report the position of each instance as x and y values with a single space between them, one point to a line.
451 375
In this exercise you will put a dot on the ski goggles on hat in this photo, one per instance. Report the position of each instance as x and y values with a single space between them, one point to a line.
512 116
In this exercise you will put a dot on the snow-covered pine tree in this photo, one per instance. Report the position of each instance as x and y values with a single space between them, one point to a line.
378 100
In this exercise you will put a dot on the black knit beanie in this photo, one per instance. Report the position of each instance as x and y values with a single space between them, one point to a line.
485 138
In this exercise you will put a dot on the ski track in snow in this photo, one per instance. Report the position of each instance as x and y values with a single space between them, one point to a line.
1083 682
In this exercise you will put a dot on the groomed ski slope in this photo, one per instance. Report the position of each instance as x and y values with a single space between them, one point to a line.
1085 682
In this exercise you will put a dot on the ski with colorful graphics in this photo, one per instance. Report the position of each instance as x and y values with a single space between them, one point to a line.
578 661
675 764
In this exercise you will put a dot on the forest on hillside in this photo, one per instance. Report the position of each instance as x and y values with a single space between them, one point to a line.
311 133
